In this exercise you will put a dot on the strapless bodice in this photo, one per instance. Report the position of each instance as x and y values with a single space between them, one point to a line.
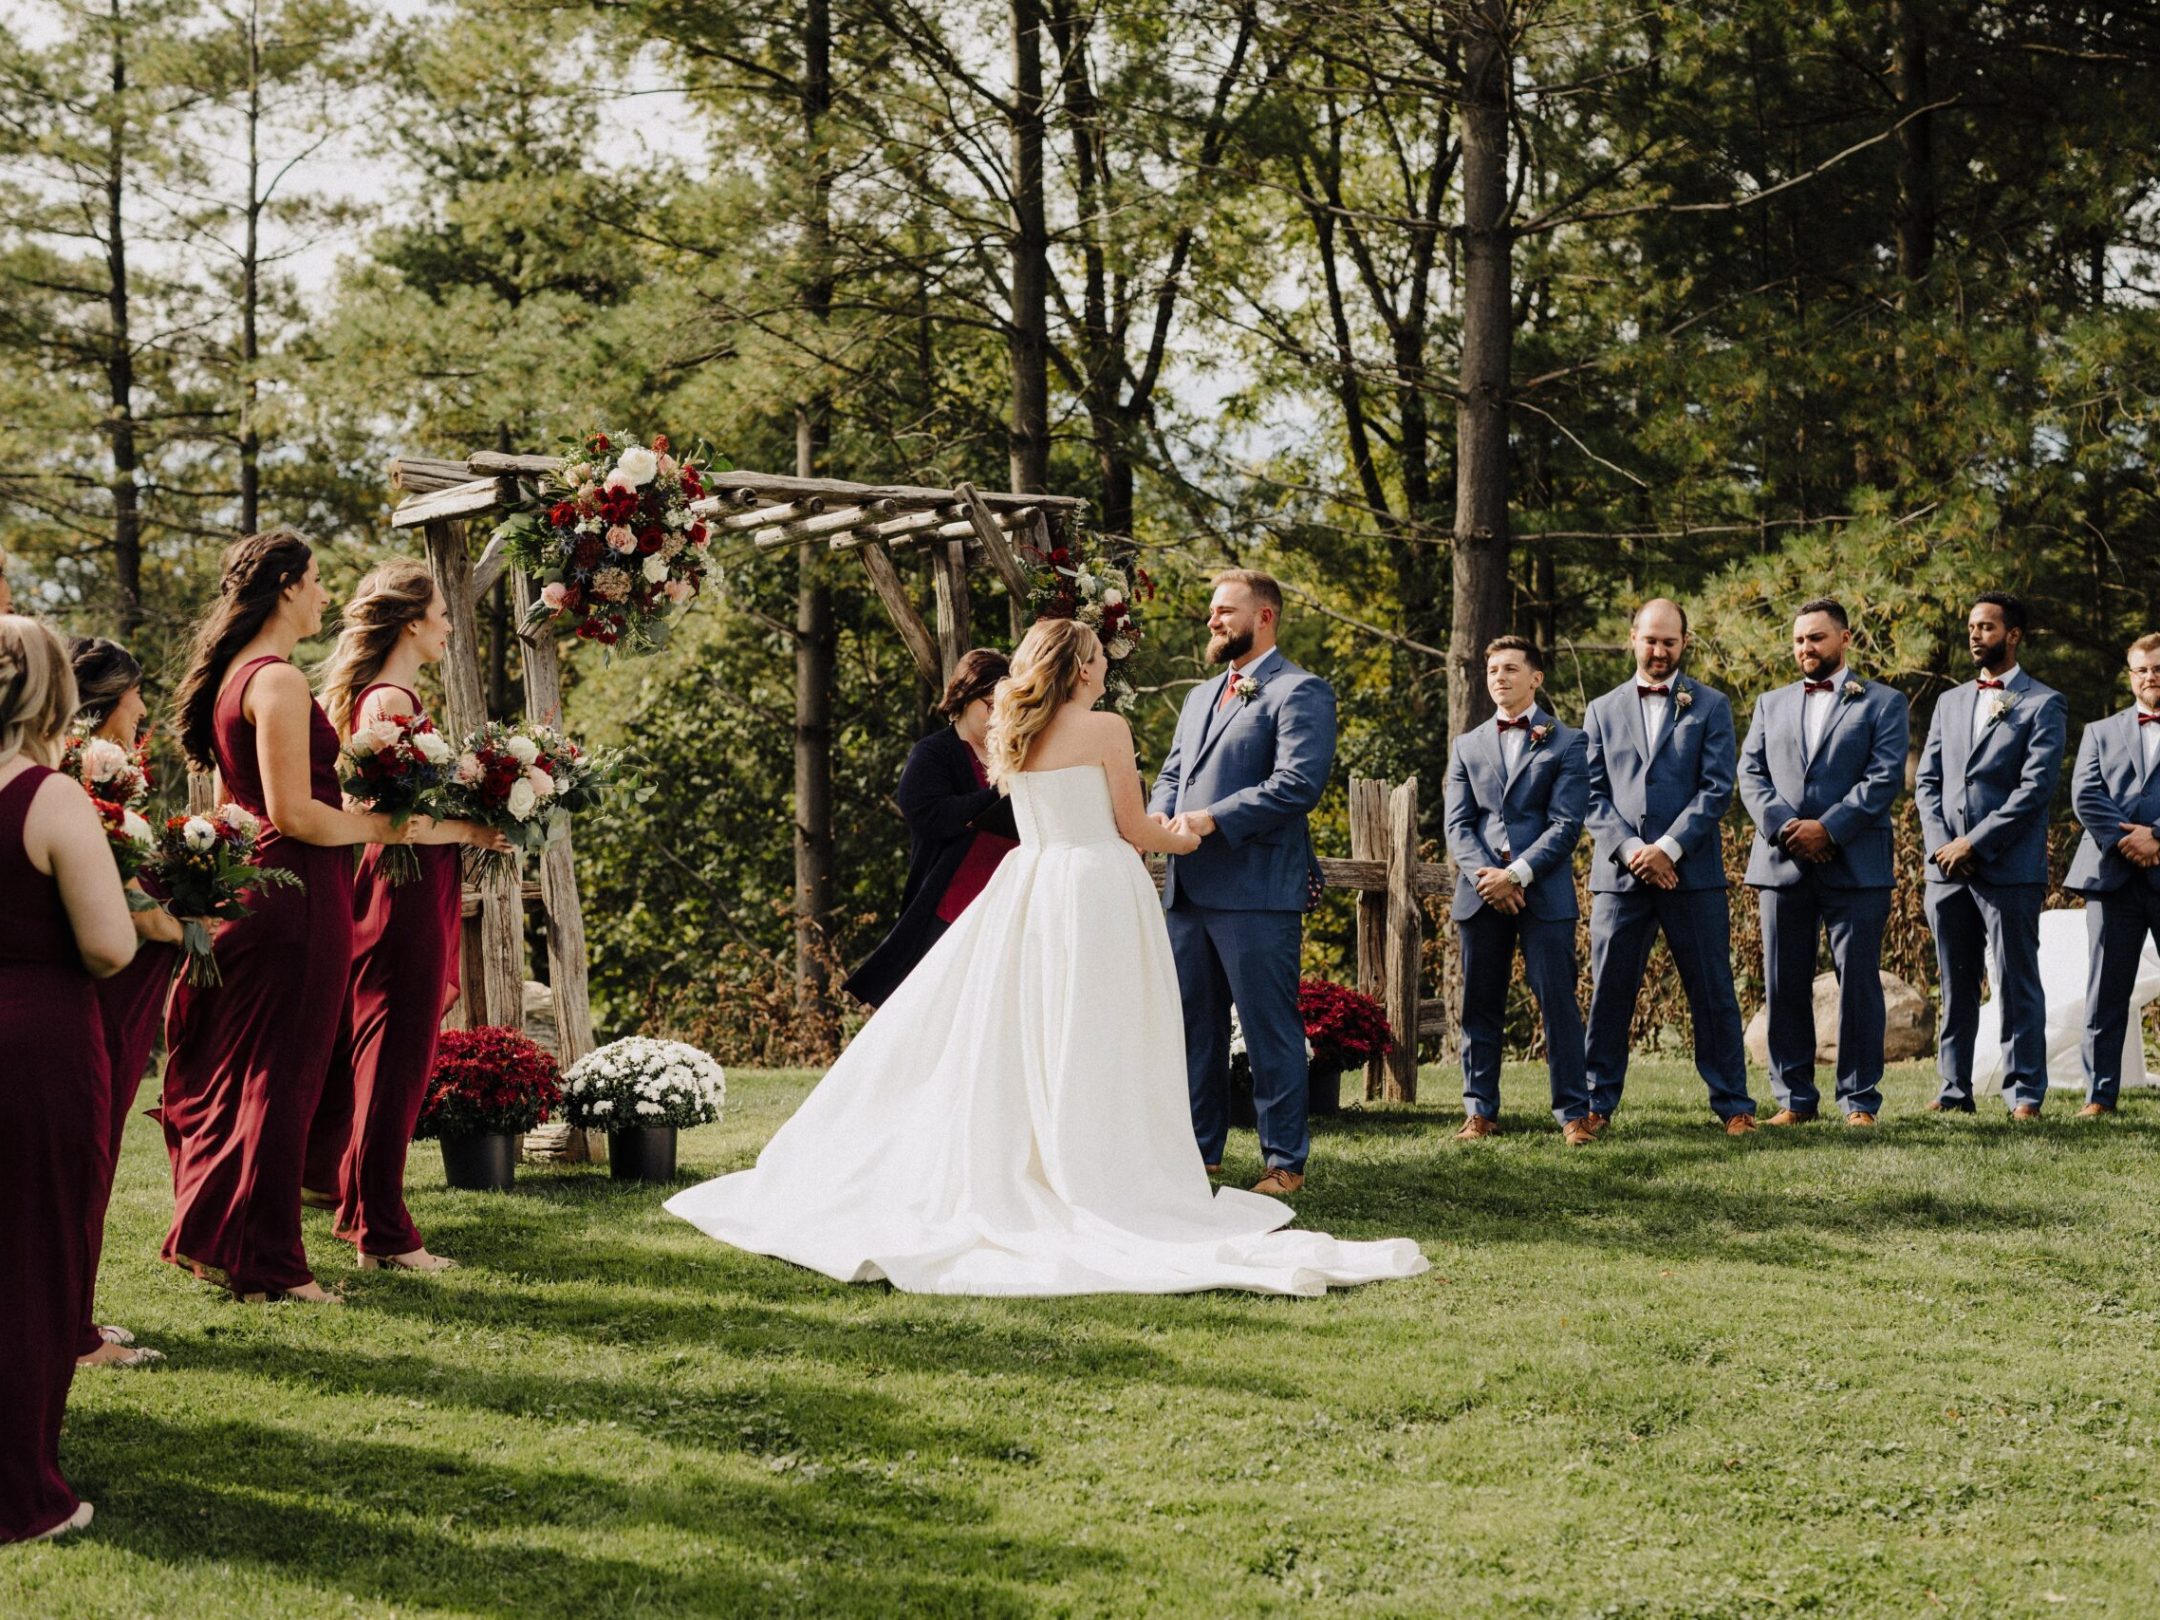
1069 806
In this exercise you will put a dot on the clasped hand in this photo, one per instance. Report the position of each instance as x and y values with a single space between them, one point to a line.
1808 841
1498 890
2138 845
1954 857
1653 866
1186 830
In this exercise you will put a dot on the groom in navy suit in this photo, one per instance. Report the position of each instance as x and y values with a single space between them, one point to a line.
2115 790
1252 753
1517 788
1661 749
1986 779
1822 763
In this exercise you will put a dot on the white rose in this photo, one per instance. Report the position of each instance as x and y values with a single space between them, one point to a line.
432 748
542 784
522 749
522 798
1084 583
655 568
134 828
1119 648
240 821
385 732
1113 598
637 464
199 834
103 759
363 743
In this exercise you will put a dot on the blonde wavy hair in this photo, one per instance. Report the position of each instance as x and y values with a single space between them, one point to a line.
1045 667
390 597
37 690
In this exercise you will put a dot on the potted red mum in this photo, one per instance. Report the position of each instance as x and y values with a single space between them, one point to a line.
1342 1030
489 1087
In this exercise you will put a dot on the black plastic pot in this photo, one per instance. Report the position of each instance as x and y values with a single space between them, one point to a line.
480 1163
643 1153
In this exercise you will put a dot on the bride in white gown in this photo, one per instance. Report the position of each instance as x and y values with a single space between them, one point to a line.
1014 1119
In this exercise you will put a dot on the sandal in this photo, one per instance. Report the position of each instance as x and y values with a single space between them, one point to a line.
280 1296
412 1260
119 1355
311 1199
116 1335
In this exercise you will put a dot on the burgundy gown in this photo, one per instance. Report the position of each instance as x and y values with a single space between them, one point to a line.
247 1057
54 1097
404 977
131 1004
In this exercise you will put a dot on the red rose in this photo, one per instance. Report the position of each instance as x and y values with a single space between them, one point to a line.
696 533
649 538
600 441
563 514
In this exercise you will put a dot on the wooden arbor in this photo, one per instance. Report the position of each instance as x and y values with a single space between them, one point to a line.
958 528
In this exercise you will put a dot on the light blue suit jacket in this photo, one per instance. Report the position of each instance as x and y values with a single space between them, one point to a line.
1535 813
1997 794
1259 767
1848 784
1680 789
2108 787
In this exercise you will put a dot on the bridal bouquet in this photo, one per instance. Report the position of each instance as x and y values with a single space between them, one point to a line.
527 782
204 864
396 766
642 1083
118 783
612 540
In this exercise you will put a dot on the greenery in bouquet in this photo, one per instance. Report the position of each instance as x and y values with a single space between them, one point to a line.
527 782
1102 595
204 866
612 541
396 766
640 1083
489 1081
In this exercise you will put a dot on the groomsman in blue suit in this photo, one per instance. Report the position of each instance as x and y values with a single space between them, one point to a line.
1662 759
1517 790
1822 763
2115 790
1994 752
1252 753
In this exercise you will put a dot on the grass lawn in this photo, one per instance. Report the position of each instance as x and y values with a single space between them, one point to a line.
1912 1372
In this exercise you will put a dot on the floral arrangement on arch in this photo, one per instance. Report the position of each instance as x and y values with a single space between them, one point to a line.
612 541
640 1082
489 1081
1101 595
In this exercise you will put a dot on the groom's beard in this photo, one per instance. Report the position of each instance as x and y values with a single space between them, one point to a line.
1229 649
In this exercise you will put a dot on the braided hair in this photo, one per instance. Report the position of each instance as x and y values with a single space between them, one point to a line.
255 574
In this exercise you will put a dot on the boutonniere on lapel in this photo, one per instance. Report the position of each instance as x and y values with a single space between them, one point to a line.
1540 734
1682 698
1850 692
1999 707
1246 688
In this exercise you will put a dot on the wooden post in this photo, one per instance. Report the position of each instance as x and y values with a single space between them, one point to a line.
1405 958
1369 842
495 993
885 579
948 563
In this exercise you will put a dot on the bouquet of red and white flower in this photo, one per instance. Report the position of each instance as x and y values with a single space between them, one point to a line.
612 541
205 866
396 766
526 782
119 784
1102 596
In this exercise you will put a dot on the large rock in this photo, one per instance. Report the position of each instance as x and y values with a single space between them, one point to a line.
555 1143
1908 1030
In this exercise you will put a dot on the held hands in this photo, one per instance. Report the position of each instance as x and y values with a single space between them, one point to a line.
2138 845
1183 839
1653 866
1808 841
1499 890
1954 857
1197 822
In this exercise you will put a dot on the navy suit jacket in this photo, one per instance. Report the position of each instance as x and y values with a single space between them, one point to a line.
1536 813
2107 788
1848 784
1680 789
1259 767
1997 794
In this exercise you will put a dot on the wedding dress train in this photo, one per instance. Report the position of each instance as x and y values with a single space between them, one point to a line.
1014 1119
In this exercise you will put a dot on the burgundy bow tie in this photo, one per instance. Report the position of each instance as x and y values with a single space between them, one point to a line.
2145 719
1513 725
1653 691
1988 686
1816 686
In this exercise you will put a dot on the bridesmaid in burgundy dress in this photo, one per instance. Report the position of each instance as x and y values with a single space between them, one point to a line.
405 945
63 920
246 1058
108 685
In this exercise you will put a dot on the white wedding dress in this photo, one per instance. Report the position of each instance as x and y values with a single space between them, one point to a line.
1014 1119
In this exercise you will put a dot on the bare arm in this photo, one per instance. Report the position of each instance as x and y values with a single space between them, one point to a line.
63 838
279 704
1127 800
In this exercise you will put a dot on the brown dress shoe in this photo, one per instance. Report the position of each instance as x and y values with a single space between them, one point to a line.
1278 1182
1577 1132
2024 1113
1597 1122
1860 1117
1476 1128
1212 1169
1792 1116
2096 1111
1740 1125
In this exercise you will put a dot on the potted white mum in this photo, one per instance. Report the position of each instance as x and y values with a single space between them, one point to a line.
643 1091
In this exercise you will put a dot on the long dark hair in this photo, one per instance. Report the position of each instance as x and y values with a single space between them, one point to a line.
256 570
105 672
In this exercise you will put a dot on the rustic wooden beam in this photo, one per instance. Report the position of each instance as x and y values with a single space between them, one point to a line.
948 571
1405 953
809 528
498 461
567 961
885 580
458 501
784 488
1368 851
494 560
892 528
763 516
994 543
421 475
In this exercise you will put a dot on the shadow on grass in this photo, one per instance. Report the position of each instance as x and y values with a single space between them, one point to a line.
418 1527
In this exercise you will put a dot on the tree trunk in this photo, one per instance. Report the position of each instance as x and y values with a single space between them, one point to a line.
251 289
816 638
1029 332
1915 145
1481 417
120 354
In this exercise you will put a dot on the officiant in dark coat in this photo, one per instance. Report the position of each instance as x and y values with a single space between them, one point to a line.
959 828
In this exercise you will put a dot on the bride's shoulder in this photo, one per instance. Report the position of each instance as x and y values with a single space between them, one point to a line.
1106 724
